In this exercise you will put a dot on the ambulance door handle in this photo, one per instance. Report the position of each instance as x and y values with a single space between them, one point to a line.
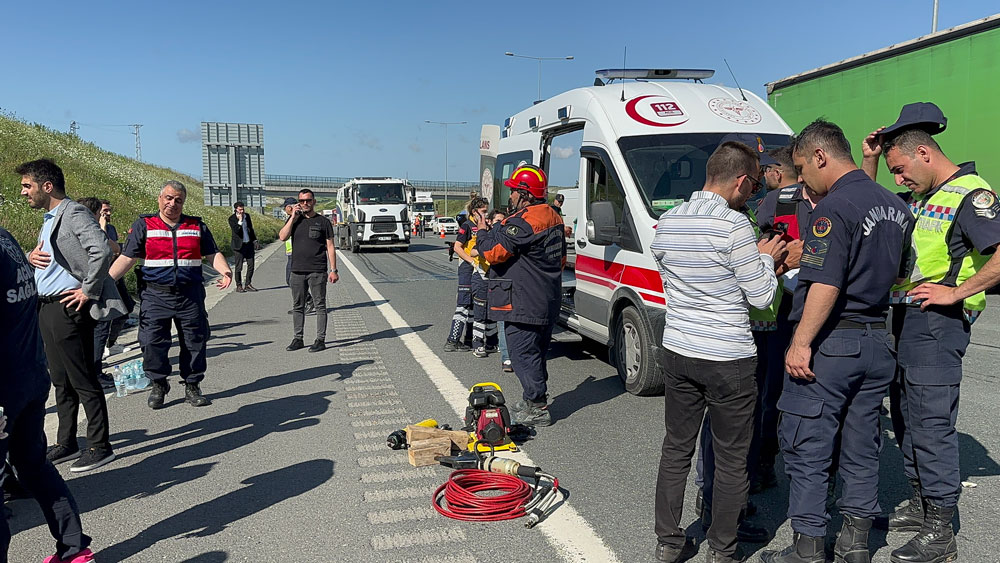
581 243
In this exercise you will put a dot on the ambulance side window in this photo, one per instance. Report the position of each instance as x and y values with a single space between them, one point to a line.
601 186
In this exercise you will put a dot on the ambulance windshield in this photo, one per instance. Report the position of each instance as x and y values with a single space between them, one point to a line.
669 168
381 193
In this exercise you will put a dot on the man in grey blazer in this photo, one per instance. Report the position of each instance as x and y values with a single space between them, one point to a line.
71 264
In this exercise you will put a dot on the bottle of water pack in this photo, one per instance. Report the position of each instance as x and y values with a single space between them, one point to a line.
120 382
135 375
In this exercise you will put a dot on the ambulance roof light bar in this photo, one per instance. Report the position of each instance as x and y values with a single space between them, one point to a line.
696 74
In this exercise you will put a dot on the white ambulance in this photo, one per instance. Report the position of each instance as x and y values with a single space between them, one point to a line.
645 141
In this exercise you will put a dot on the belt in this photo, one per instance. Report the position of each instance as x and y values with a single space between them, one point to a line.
50 298
166 288
854 324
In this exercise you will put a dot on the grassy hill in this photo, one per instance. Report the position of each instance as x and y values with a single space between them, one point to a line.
131 186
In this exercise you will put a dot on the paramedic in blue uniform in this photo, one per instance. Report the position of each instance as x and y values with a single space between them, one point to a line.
840 361
956 237
171 289
527 252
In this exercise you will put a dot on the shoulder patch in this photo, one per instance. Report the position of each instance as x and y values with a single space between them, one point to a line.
512 230
983 199
822 227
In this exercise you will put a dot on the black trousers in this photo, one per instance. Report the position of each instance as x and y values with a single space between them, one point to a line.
26 447
69 347
527 345
728 389
244 254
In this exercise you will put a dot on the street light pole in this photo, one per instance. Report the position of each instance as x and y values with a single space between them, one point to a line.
539 59
445 124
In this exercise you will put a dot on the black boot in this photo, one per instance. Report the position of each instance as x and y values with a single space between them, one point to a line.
935 543
910 516
192 394
804 549
158 394
852 542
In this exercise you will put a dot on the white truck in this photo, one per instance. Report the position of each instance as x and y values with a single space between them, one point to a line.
644 148
422 204
373 213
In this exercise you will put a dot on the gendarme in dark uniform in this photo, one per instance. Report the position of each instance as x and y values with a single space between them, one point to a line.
172 290
858 242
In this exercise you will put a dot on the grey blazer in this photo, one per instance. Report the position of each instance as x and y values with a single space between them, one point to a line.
81 247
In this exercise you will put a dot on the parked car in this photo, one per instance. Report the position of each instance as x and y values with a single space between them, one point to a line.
448 224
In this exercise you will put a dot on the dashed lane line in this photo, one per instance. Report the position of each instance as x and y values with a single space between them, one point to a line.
574 538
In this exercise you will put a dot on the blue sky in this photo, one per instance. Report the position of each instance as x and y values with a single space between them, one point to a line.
344 88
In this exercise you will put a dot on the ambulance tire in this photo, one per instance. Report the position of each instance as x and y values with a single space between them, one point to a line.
632 355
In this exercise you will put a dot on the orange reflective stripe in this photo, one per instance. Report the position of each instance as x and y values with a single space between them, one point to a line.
497 254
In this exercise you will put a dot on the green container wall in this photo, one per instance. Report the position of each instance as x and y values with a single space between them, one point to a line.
961 76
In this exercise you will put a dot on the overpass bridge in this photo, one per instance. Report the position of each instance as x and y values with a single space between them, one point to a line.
279 185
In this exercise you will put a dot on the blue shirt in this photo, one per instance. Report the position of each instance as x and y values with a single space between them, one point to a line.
858 241
54 279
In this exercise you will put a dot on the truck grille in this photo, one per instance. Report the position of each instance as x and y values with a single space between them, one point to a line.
383 224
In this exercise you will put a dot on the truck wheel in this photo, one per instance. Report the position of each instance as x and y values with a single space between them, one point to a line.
355 247
632 357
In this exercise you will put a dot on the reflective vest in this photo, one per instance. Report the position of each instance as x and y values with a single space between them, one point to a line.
764 320
173 255
935 264
480 260
288 246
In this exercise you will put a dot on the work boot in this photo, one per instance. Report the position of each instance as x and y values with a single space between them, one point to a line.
450 346
318 345
530 414
159 392
667 553
804 549
296 344
935 543
910 516
852 542
192 394
715 557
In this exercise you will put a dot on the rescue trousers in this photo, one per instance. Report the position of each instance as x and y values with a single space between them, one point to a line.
183 308
924 397
26 446
853 368
528 344
69 348
244 254
728 391
484 331
303 285
460 333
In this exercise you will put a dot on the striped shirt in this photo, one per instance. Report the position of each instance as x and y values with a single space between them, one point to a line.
712 272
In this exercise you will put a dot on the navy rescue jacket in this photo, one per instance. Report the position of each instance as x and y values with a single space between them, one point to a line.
526 252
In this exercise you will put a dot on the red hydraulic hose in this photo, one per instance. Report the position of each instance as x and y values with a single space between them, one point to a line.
461 491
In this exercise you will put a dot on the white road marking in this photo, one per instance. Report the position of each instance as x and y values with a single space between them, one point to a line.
395 516
423 537
399 493
400 475
573 537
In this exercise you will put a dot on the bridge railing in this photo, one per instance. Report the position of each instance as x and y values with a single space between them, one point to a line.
292 181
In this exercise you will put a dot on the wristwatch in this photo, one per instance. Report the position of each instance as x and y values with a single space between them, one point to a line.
335 270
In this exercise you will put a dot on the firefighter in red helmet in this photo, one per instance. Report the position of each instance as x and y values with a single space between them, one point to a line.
527 252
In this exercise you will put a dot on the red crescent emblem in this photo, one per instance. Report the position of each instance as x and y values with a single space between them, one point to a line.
630 110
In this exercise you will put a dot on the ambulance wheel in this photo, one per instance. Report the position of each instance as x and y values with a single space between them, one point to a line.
632 357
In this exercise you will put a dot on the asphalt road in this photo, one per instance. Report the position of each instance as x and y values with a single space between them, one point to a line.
289 463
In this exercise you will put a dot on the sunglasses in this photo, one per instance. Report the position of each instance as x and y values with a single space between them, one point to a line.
306 200
756 184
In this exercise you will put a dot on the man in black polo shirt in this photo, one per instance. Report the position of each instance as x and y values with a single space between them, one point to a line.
312 245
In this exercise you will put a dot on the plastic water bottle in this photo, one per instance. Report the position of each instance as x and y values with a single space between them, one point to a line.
141 381
120 386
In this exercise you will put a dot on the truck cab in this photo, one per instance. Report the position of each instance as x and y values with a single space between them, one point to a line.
373 213
422 204
643 151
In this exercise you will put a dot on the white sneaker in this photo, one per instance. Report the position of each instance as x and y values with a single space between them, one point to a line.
107 352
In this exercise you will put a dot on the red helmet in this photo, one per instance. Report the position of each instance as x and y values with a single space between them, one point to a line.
530 178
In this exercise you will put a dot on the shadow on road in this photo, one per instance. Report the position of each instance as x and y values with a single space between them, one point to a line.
387 333
209 557
211 517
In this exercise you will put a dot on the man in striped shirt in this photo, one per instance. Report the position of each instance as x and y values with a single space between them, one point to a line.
713 270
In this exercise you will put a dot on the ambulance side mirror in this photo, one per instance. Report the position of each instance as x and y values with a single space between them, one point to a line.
602 228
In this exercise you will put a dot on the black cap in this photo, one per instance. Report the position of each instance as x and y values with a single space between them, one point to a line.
921 115
289 201
755 143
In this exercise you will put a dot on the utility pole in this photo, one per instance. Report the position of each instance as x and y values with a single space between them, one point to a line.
446 124
73 128
934 18
138 143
